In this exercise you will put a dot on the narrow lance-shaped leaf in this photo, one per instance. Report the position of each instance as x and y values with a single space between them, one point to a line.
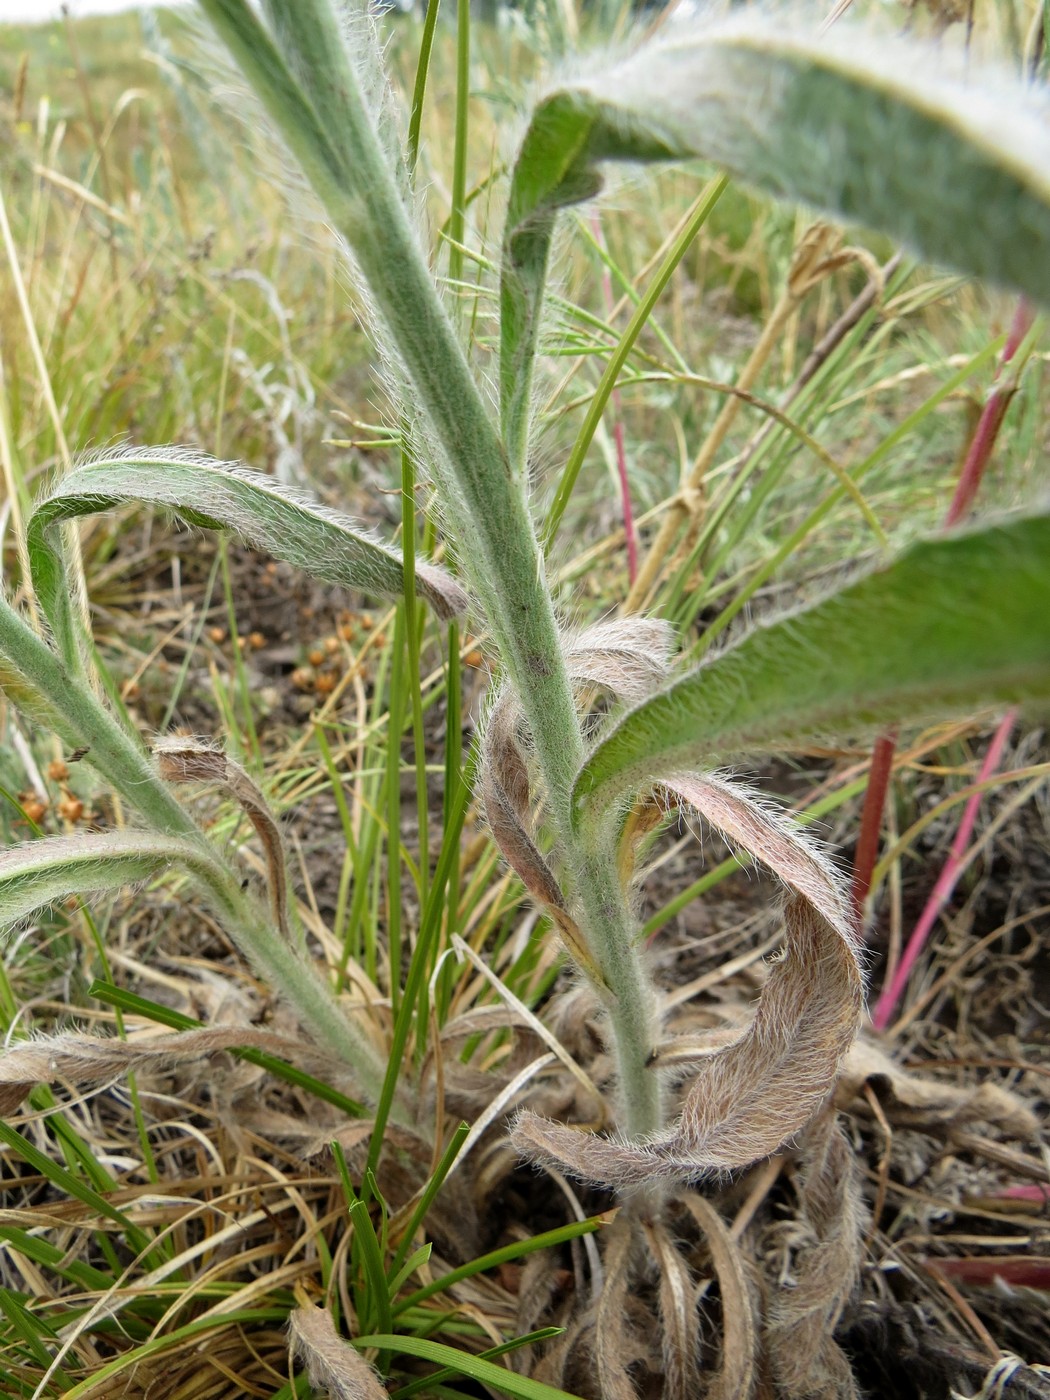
862 126
223 495
949 626
43 871
84 1060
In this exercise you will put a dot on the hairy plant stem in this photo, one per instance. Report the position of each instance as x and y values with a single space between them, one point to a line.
344 161
40 674
615 942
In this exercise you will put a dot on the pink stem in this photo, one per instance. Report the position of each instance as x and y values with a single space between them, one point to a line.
977 459
887 1003
618 434
625 492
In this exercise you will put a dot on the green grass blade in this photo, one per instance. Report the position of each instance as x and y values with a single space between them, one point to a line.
223 495
418 969
419 87
949 626
618 358
129 1360
372 1259
426 1382
463 1363
958 172
40 1251
415 1261
492 1260
34 1331
458 215
427 1195
135 1005
60 1177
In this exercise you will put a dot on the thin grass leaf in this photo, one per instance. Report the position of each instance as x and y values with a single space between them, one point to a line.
131 1359
415 1261
463 1363
426 1383
35 1331
396 1271
62 1179
950 626
224 495
509 1252
894 115
280 1069
40 1251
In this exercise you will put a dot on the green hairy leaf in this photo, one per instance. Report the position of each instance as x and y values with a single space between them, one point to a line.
43 871
863 127
949 626
222 495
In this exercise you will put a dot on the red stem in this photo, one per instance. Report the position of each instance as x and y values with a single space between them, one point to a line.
886 1005
989 423
871 818
977 458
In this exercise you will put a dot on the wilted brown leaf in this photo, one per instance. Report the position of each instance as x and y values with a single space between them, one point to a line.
83 1060
332 1364
751 1096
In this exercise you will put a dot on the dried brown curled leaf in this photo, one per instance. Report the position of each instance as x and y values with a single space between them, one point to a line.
735 1380
189 760
916 1101
614 1345
680 1322
85 1060
332 1365
505 792
628 656
804 1310
751 1096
